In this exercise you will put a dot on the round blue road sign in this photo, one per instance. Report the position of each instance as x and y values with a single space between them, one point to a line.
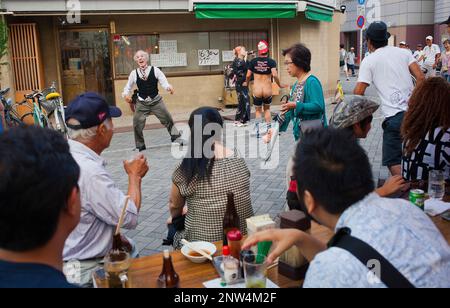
361 21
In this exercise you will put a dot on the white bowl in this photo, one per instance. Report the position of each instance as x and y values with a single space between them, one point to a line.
211 248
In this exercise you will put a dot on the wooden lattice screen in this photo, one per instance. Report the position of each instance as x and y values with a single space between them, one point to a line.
25 58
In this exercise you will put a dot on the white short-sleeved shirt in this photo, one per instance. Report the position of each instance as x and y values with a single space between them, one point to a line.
387 69
401 232
351 58
430 54
417 55
342 54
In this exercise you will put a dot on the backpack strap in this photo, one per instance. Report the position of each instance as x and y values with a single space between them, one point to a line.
390 276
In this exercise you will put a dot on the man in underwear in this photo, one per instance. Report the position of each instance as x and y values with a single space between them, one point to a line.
263 69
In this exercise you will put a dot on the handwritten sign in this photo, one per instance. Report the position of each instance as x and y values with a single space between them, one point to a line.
168 46
169 59
227 56
208 57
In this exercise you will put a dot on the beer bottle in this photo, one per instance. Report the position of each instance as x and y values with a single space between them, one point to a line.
117 243
231 219
168 277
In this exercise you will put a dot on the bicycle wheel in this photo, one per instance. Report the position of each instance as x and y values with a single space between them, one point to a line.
12 122
27 116
15 123
45 122
63 127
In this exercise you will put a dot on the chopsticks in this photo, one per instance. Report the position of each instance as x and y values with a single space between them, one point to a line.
122 216
191 247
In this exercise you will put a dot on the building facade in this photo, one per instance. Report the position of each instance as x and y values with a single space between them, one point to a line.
89 45
408 20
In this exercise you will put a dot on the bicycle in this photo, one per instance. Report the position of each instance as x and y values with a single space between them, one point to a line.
54 106
36 111
10 113
46 109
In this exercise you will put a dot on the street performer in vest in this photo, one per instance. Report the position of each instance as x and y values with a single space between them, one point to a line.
149 101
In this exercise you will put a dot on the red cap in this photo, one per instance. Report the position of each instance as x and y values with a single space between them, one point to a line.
234 235
293 186
226 251
263 47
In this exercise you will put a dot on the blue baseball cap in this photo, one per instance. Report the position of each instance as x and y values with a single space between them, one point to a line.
90 109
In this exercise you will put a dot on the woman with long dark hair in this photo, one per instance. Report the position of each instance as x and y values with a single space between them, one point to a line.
426 131
203 179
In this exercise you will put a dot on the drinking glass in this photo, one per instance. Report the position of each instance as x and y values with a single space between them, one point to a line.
117 264
436 184
255 271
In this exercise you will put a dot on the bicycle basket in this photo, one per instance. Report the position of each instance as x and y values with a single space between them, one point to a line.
49 105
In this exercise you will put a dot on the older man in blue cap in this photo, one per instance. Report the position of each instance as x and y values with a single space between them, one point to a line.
389 70
89 119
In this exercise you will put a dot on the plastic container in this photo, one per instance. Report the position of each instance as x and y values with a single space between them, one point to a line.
234 243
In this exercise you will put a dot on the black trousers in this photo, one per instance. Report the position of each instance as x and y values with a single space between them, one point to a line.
243 110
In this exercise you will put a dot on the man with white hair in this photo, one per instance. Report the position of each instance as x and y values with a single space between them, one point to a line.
148 102
90 132
431 54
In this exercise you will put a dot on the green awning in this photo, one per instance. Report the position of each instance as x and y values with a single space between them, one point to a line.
244 10
319 14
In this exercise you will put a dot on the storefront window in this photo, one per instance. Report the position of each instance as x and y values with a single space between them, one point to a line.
183 53
124 48
86 63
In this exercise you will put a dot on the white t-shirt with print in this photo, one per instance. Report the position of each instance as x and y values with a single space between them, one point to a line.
430 54
387 69
417 55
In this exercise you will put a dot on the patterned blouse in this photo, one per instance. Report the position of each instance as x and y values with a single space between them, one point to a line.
207 201
433 153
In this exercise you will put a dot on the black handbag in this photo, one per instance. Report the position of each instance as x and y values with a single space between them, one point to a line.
134 97
176 226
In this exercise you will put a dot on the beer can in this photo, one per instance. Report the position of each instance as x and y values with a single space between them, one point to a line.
417 197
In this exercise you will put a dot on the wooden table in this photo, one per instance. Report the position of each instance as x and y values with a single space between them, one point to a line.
441 224
145 271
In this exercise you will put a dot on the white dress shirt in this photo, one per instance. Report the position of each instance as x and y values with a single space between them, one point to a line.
401 232
132 80
101 206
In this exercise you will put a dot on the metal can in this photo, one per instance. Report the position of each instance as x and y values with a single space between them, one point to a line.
417 197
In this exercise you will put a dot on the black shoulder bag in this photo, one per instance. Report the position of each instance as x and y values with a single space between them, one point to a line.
390 276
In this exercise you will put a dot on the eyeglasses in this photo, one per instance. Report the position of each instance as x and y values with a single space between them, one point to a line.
288 63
